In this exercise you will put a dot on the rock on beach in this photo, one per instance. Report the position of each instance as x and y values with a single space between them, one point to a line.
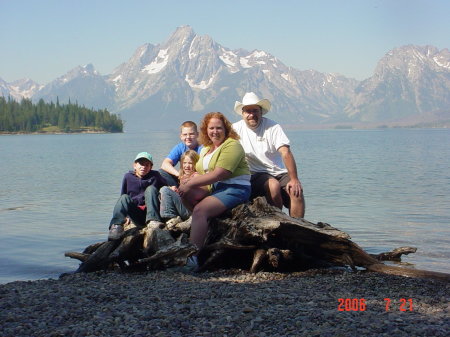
226 303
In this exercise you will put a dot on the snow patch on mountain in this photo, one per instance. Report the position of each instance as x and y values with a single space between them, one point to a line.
288 78
194 74
244 62
439 61
258 54
24 88
419 56
202 85
191 54
159 63
228 58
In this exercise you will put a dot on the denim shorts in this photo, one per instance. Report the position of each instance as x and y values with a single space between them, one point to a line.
231 195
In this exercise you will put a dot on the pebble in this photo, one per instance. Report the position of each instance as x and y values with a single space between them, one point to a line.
224 303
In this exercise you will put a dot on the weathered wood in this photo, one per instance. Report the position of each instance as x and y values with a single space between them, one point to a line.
253 236
79 256
171 255
99 259
263 226
395 255
259 258
129 247
92 248
408 272
155 239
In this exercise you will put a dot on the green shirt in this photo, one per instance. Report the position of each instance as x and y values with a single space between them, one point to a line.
229 156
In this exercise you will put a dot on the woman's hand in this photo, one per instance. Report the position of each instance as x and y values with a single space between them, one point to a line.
182 189
218 174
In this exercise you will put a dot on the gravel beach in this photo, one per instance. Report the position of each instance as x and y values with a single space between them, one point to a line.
226 303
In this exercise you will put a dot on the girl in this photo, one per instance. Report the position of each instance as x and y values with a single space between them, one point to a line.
172 208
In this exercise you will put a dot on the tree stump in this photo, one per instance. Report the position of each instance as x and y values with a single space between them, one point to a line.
254 236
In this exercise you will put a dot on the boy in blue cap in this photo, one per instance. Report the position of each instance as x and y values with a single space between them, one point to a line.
139 197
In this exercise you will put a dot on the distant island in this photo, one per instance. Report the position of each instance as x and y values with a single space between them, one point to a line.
27 117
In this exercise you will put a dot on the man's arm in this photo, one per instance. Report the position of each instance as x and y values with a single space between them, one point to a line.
289 162
167 165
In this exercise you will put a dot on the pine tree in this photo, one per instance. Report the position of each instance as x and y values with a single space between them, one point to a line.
28 117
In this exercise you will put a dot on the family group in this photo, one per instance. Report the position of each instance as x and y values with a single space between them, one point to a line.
221 166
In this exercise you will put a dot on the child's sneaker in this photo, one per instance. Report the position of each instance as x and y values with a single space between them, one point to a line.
155 224
115 232
191 264
174 221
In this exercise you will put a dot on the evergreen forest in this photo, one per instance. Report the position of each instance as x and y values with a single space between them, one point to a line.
25 116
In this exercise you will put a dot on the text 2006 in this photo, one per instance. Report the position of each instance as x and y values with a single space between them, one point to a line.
359 304
351 304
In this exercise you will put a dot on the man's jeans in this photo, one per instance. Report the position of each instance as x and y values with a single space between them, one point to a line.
171 205
126 207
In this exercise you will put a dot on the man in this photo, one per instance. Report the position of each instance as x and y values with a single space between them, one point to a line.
267 150
188 136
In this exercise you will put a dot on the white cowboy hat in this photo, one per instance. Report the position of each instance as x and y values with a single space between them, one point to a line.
250 98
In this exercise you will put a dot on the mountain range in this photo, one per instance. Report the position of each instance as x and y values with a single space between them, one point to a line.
162 85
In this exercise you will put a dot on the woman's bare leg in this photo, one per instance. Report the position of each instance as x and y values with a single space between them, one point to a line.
206 209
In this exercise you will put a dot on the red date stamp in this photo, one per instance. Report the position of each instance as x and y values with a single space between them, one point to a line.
405 304
351 304
359 304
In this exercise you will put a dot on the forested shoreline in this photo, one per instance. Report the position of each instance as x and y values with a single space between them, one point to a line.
42 117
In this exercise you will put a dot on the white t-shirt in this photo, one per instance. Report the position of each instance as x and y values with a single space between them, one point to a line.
261 146
207 159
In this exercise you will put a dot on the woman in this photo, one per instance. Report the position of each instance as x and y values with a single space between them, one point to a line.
171 207
223 167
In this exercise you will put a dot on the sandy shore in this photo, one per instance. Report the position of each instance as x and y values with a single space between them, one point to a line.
228 303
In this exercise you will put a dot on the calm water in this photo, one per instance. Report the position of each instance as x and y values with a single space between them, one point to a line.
386 188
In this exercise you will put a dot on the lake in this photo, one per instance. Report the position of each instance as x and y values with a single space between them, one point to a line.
387 188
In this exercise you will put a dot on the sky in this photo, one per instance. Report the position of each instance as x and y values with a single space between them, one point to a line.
44 39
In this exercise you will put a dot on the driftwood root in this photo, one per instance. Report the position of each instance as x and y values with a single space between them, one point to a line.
254 236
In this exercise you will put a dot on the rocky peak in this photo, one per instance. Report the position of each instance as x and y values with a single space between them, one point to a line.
190 74
181 35
23 88
411 60
80 71
408 80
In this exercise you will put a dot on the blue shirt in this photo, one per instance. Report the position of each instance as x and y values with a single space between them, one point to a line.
178 150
